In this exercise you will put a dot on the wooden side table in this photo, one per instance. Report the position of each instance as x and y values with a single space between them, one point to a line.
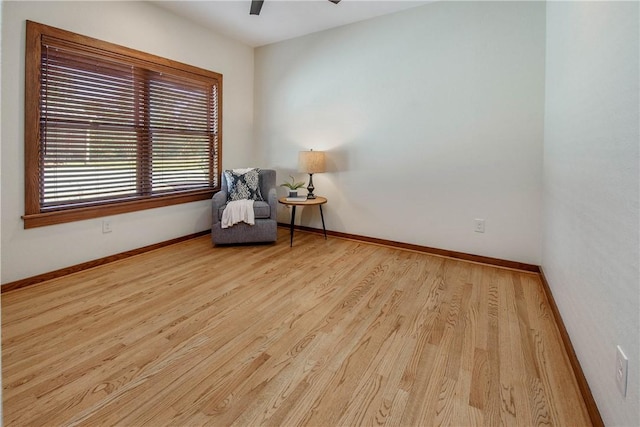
318 201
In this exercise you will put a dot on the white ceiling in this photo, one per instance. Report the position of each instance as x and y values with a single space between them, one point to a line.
280 19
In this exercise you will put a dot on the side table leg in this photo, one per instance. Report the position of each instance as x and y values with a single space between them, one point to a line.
323 228
293 218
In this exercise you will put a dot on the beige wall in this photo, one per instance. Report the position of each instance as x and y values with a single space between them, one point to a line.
591 245
141 26
431 117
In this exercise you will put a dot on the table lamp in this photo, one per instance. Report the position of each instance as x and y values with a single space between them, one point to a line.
311 162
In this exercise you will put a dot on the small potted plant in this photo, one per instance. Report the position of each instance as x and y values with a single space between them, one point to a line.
293 186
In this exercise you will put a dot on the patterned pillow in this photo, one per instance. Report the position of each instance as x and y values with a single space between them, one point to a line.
243 184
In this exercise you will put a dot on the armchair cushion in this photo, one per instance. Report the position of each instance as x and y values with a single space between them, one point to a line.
260 210
243 184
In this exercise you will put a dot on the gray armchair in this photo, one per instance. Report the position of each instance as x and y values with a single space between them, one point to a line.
266 226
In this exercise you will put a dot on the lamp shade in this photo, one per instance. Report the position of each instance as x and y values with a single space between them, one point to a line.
311 162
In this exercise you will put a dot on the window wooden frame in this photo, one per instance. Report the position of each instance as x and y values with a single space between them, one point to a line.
35 215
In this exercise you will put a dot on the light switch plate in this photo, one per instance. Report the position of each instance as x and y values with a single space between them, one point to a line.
622 364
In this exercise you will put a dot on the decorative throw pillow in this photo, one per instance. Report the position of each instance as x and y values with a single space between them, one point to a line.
243 184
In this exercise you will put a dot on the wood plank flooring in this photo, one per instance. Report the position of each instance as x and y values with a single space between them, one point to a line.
327 333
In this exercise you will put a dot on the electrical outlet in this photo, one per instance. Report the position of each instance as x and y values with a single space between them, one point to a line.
622 364
106 226
478 225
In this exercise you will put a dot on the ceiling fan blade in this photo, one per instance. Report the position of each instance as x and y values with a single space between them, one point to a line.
256 6
335 1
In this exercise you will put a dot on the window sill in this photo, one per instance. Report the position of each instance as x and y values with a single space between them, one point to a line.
89 212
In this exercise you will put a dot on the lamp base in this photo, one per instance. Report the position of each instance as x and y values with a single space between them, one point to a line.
310 188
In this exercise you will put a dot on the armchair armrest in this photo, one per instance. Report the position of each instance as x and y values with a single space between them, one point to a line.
217 201
272 198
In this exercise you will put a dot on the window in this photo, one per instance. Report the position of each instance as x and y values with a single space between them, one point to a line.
110 130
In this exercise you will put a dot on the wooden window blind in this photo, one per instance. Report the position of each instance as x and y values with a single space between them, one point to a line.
111 130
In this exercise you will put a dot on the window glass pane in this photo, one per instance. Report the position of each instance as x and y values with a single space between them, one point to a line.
181 133
89 139
180 160
88 165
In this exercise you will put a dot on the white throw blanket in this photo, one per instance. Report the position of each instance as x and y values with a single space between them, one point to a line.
238 211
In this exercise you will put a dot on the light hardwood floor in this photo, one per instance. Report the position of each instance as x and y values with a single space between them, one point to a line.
327 333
